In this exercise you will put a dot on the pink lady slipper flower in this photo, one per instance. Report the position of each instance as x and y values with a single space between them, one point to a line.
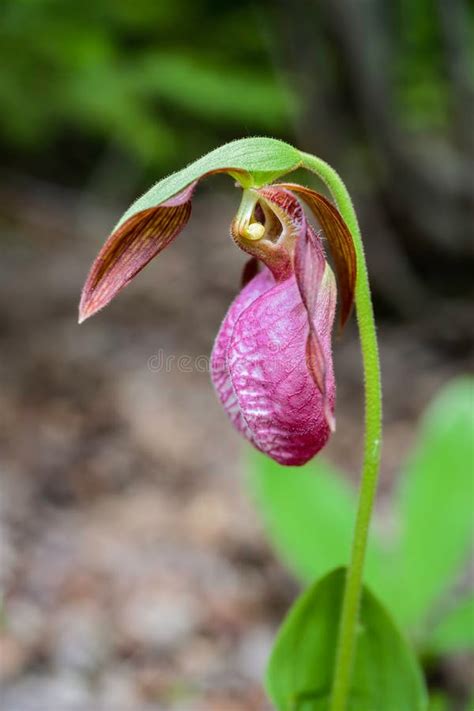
271 364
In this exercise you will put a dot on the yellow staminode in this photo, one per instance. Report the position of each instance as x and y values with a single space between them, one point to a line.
254 231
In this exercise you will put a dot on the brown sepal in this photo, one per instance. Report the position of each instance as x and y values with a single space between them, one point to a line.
130 247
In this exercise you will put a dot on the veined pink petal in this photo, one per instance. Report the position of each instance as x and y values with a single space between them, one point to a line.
130 247
263 378
220 376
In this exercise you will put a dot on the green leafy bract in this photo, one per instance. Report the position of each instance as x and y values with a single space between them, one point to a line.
253 161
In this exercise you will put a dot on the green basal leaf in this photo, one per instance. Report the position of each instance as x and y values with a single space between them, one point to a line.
252 161
455 632
435 506
300 672
309 516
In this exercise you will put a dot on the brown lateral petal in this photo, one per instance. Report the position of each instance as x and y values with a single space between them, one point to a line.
316 364
310 263
317 290
130 247
340 242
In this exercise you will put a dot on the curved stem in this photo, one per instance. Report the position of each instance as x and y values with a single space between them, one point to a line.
373 431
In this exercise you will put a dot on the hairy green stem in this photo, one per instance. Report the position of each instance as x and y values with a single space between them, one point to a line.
373 431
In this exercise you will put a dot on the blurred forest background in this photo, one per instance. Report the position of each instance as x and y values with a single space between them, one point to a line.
134 568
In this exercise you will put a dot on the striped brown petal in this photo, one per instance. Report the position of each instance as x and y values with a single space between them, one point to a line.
130 247
340 242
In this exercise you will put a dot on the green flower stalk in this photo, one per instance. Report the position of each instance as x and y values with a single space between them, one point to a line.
373 438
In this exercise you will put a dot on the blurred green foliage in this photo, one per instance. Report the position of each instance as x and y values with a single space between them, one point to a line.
422 84
423 79
149 76
158 79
